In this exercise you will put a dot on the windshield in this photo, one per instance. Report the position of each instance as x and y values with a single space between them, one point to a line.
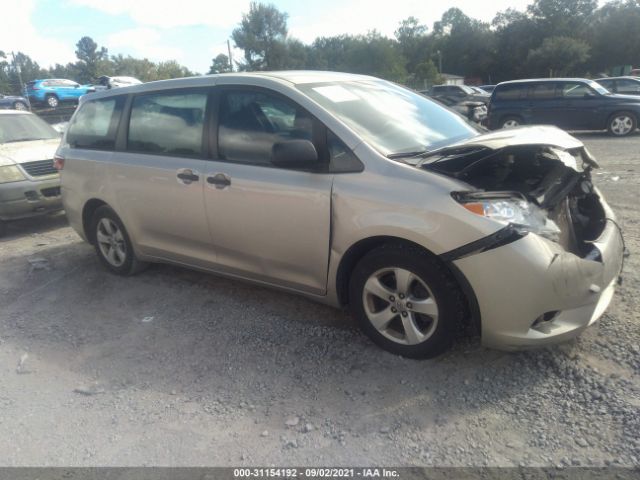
392 119
23 127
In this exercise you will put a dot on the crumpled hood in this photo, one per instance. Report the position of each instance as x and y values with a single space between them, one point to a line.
526 135
21 152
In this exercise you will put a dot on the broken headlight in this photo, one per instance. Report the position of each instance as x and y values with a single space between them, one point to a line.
509 209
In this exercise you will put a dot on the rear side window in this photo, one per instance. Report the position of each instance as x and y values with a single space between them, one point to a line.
169 123
510 92
628 86
95 124
542 91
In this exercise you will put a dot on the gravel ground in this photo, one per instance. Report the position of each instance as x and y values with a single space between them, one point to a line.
175 367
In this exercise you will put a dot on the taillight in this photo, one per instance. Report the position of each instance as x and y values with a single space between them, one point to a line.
58 162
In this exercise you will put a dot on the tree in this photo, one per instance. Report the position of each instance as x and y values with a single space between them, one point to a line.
262 34
92 61
558 56
220 64
414 43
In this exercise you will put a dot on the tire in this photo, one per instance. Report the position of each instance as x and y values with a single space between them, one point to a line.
510 122
621 124
112 243
20 106
403 328
52 101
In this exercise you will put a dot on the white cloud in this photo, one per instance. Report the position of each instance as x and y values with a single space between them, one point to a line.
224 14
145 42
360 16
18 34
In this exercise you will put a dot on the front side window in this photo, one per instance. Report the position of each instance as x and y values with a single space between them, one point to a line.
576 90
251 122
169 123
95 124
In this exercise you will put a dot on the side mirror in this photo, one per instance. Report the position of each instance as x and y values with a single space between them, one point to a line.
294 154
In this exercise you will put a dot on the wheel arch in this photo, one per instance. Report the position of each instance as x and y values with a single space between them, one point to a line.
359 249
87 214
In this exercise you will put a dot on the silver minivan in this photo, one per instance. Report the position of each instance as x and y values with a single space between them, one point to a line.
352 191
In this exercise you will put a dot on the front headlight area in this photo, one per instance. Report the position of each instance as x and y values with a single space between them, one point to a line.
11 173
510 208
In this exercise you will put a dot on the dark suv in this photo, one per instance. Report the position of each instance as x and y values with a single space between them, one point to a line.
569 103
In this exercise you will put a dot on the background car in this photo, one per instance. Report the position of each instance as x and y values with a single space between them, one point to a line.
459 93
622 85
487 88
474 111
105 82
29 183
13 102
568 103
53 91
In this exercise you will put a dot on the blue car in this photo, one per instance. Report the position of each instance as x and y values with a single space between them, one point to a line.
53 91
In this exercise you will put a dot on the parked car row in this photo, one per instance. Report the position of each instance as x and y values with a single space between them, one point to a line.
347 189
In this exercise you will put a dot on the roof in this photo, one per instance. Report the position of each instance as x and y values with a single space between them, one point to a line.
290 77
527 80
624 77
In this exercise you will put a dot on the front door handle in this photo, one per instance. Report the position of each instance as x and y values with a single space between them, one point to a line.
188 176
220 180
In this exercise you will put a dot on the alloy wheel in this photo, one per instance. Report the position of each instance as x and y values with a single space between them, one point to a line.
511 123
111 242
621 125
400 306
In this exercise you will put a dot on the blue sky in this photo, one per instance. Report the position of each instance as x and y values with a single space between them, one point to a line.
194 31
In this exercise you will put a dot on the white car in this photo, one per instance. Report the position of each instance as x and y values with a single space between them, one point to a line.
29 183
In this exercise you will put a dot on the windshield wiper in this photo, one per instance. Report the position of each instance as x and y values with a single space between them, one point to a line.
394 156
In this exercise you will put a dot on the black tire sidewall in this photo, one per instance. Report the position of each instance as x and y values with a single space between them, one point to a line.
432 272
617 114
128 266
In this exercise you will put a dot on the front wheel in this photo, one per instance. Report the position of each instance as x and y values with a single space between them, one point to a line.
406 301
621 124
511 122
112 243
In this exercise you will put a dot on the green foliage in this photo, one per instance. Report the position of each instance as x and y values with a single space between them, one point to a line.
92 61
558 56
220 64
262 35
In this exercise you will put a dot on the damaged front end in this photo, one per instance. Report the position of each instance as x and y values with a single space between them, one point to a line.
533 289
536 188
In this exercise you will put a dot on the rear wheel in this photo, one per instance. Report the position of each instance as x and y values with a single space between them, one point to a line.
20 106
52 101
406 301
622 124
511 122
112 243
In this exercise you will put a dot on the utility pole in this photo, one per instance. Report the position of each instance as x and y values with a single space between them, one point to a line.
439 62
18 70
230 57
